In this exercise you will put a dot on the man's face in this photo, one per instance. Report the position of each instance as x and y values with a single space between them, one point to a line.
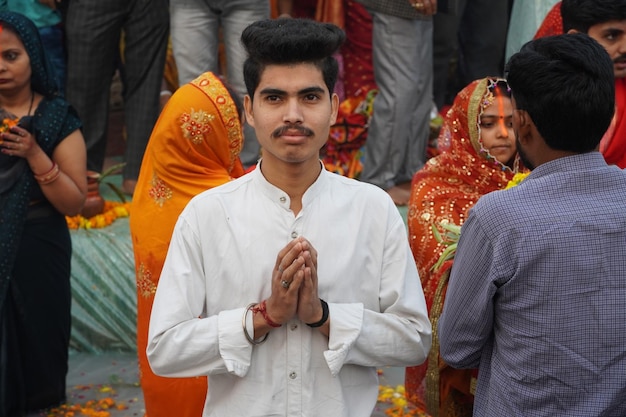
291 113
612 35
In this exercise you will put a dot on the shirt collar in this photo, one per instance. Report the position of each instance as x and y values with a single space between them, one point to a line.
282 198
580 162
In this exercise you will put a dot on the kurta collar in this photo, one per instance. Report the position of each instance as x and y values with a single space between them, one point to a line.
282 198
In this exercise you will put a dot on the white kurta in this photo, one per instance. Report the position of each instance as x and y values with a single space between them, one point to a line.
221 259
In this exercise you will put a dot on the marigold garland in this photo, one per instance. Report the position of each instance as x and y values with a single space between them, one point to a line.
517 179
112 211
7 124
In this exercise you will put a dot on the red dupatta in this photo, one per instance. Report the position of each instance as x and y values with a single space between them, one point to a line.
443 191
613 144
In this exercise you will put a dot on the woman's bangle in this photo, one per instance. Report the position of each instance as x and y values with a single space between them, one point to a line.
245 328
49 176
262 308
324 315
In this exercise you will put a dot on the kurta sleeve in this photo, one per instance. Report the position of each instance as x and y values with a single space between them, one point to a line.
369 337
201 346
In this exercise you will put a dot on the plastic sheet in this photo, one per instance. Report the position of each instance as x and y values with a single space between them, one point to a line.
104 301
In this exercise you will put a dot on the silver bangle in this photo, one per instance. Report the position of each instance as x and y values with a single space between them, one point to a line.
245 329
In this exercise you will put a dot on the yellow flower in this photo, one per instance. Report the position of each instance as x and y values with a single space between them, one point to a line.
517 179
398 404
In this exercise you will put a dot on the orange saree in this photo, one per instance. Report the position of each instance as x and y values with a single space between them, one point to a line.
194 146
443 191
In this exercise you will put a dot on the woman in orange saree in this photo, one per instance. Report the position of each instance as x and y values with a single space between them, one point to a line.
477 156
194 146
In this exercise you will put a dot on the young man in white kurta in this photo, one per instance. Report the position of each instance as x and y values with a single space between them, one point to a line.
290 233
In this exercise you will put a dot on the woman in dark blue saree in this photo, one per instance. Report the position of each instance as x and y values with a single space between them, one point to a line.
42 179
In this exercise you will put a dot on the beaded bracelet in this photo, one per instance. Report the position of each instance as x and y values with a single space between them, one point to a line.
262 308
324 315
245 328
49 176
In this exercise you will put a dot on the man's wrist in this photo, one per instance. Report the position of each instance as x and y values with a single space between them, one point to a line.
324 319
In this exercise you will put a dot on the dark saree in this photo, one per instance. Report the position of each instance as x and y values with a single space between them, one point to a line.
35 254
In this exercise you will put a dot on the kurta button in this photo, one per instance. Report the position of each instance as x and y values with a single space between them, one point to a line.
292 375
294 234
294 327
283 199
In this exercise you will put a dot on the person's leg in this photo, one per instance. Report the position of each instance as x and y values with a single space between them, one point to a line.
145 45
92 33
54 44
445 27
238 14
396 60
195 37
482 39
419 115
446 52
41 292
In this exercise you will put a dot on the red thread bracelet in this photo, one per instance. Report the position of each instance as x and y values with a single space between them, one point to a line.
262 308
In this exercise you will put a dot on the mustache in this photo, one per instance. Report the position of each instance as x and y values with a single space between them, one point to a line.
305 131
620 59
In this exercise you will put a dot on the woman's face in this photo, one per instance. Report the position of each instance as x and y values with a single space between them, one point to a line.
496 129
15 69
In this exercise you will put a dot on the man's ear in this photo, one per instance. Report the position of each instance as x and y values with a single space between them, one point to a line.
569 32
247 107
334 103
524 124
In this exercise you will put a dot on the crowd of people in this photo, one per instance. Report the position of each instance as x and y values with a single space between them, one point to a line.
274 271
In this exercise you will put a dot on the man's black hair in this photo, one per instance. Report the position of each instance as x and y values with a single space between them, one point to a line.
582 14
291 41
567 86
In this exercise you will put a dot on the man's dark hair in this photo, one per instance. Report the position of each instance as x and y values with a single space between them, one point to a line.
288 41
582 14
567 86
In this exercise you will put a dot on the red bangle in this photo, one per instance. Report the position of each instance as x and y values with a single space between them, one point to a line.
262 308
49 176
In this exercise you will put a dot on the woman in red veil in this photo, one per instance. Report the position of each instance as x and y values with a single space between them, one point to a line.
477 156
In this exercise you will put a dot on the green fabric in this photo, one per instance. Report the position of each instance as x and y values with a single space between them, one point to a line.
40 14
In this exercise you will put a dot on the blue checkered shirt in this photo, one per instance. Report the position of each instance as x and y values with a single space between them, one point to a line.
537 294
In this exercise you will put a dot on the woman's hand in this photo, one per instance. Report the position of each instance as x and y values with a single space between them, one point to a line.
19 142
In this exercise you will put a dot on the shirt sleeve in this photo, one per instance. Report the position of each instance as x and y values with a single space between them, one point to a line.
466 322
398 332
201 346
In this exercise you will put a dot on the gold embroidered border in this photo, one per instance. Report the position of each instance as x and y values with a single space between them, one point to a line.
432 374
213 87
